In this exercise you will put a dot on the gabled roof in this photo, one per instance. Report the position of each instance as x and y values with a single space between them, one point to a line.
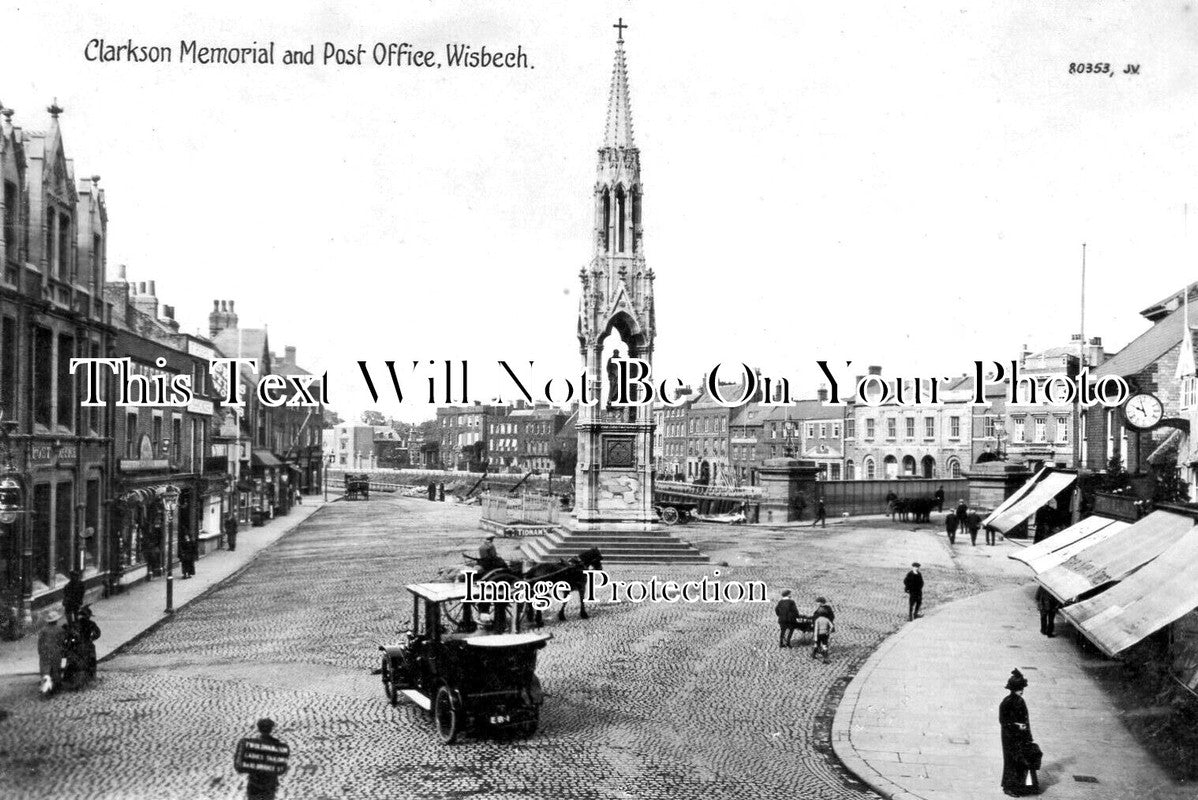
1146 348
1168 305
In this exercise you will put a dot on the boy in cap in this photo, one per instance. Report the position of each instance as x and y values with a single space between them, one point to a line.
788 618
913 586
262 785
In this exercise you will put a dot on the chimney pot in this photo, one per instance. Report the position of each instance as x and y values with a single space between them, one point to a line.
875 370
120 271
153 290
215 306
230 306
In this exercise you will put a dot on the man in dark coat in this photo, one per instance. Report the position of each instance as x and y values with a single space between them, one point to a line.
188 551
821 514
488 558
913 586
891 500
1048 606
89 632
939 495
788 618
1016 736
72 595
974 523
231 531
264 785
950 527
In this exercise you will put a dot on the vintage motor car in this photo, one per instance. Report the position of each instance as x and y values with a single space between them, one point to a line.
467 676
357 486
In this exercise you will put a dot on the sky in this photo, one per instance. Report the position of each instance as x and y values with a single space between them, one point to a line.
902 186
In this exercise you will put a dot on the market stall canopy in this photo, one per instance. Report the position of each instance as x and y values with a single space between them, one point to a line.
1040 488
1160 593
1117 557
1064 545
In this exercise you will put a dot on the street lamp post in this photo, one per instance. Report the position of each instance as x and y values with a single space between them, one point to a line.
170 502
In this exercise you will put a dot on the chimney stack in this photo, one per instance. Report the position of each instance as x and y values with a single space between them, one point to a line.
221 318
289 355
145 301
875 370
822 393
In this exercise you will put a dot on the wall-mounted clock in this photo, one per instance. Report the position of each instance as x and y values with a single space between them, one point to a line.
1143 411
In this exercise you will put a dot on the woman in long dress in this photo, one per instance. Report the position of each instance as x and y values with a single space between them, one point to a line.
1016 734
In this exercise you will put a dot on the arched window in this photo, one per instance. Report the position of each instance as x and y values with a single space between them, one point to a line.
890 464
850 470
620 218
606 220
908 465
870 469
929 467
954 468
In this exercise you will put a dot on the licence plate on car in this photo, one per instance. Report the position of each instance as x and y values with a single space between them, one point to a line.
500 719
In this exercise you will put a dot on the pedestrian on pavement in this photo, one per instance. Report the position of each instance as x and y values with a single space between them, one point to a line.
231 530
262 785
72 595
51 644
822 627
432 492
89 632
299 497
788 618
973 522
821 514
913 586
991 534
939 495
441 492
891 500
1016 737
962 512
188 551
950 527
1048 606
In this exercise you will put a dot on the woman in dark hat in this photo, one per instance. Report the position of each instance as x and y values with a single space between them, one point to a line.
1016 735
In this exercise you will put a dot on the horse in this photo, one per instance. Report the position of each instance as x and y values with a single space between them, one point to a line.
572 572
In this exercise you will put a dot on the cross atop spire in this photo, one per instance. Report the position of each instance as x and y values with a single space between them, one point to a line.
620 26
618 133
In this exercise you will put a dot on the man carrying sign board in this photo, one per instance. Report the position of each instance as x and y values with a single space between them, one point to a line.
264 759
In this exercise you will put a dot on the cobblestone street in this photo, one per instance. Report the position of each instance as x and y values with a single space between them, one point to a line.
653 701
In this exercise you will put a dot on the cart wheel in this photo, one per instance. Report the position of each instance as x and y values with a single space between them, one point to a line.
389 686
669 515
527 729
448 715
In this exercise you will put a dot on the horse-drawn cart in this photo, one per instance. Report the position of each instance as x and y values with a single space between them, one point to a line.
671 513
357 486
468 678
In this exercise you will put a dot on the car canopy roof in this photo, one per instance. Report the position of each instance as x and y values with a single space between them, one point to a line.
438 592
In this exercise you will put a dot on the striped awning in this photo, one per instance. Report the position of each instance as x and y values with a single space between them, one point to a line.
1043 487
141 496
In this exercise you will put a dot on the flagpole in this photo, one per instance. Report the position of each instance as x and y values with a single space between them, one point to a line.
1078 424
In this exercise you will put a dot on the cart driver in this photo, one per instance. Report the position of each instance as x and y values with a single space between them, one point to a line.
487 557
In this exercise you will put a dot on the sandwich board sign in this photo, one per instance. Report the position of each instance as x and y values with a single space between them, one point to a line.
256 755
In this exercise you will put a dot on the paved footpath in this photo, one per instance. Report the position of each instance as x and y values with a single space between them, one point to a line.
920 720
124 617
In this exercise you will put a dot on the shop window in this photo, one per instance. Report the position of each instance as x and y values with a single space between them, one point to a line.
64 499
41 533
66 383
8 367
43 376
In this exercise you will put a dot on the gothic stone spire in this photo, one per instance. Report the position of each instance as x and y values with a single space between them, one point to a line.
618 133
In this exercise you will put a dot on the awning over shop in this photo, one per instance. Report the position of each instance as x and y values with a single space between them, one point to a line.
138 496
1045 486
265 458
1160 593
245 486
1064 545
1117 557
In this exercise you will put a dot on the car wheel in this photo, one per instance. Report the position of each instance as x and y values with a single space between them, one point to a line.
447 714
389 681
669 515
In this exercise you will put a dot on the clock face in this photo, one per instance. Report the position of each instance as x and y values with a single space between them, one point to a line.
1143 411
